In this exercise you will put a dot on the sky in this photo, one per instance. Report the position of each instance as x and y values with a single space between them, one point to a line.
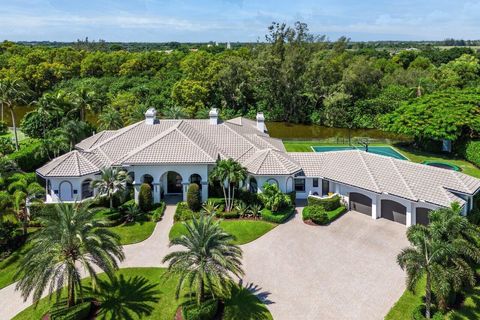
235 20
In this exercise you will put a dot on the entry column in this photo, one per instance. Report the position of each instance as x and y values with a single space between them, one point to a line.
375 207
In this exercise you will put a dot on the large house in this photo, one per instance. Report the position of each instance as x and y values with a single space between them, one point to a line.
171 154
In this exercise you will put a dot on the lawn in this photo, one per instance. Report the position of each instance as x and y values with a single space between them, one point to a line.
412 155
404 307
9 266
244 231
142 293
134 232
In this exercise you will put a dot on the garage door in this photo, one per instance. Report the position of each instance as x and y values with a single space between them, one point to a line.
422 216
394 211
360 203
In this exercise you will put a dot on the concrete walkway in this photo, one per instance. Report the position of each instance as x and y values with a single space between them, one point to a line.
343 271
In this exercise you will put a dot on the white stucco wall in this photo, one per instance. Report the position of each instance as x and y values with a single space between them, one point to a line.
66 189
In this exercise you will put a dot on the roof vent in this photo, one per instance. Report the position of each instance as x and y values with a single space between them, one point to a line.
260 122
150 116
213 115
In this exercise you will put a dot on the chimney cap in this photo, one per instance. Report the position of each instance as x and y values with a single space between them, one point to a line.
151 112
213 112
260 116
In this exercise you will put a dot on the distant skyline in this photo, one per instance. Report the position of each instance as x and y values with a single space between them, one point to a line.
235 20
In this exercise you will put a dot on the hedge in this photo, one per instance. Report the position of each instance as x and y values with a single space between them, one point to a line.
205 311
277 217
471 152
328 203
145 197
228 215
157 213
28 158
183 212
316 214
193 197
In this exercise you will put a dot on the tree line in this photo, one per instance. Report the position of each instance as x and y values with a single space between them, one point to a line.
293 76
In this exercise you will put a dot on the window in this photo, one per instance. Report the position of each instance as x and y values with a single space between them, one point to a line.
253 185
273 181
315 182
300 185
195 178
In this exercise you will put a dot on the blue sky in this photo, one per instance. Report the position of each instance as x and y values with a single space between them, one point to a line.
235 20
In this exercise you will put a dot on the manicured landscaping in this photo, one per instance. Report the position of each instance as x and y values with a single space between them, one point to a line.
9 267
145 294
244 231
134 232
413 155
407 303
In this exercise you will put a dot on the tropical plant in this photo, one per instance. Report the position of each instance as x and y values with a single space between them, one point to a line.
255 210
71 238
230 174
133 213
210 208
111 182
242 209
174 112
208 258
145 197
273 198
13 93
193 197
110 119
22 200
84 100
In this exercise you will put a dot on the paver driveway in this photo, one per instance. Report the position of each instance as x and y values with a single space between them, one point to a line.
346 270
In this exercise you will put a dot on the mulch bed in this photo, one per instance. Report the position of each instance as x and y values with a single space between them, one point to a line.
310 222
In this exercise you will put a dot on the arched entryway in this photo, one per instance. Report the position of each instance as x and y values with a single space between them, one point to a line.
172 183
394 211
87 190
65 191
197 179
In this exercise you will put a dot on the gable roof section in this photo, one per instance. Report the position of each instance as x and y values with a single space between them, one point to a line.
271 162
95 139
73 164
172 146
380 174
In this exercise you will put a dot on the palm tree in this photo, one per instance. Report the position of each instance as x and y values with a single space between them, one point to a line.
209 259
174 112
110 119
112 181
12 93
71 238
422 258
22 200
230 173
85 100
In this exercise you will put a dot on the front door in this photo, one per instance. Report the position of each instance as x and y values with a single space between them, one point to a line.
174 182
325 187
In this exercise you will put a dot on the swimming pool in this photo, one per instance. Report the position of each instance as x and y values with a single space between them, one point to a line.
384 151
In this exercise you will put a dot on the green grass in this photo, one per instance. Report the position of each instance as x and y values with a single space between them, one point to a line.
335 214
145 294
244 231
404 307
412 155
9 266
134 232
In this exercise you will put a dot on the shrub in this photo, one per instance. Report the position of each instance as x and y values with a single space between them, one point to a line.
205 311
157 213
273 198
28 158
3 128
334 214
193 197
293 196
328 203
471 152
183 212
145 197
6 146
228 215
277 217
248 197
316 214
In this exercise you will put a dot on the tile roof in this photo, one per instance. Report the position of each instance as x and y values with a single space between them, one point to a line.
182 141
73 164
270 162
382 174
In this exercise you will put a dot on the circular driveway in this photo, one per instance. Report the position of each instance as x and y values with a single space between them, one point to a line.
346 270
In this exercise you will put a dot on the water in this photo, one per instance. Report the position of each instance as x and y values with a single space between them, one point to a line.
290 131
19 114
384 151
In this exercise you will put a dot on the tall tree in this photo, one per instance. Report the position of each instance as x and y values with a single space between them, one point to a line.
207 259
230 174
13 93
71 238
111 182
22 200
85 100
110 119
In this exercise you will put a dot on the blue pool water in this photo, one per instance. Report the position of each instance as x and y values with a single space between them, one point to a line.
384 151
